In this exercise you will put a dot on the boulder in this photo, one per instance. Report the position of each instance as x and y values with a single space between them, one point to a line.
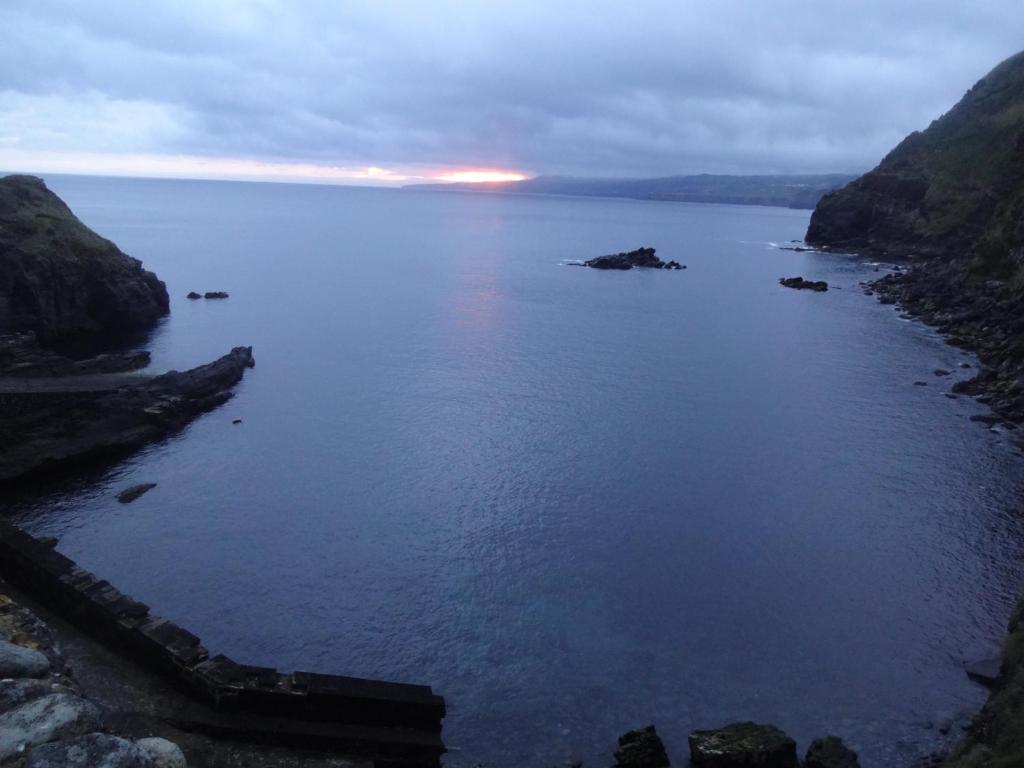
641 748
60 279
96 750
55 716
16 661
163 753
742 745
14 693
128 495
804 285
830 752
985 671
194 295
215 295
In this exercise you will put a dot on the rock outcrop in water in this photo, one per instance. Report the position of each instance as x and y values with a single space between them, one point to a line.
641 257
61 280
742 745
805 285
48 423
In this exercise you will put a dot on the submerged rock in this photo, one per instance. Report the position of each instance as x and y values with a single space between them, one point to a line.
830 752
641 257
806 285
985 671
742 745
128 495
60 279
641 748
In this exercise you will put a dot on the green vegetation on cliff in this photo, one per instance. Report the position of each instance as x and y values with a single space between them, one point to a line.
953 197
59 279
955 189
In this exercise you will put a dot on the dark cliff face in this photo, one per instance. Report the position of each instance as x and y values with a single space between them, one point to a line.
60 279
954 189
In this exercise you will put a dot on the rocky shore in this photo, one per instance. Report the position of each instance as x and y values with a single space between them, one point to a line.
948 202
52 422
63 285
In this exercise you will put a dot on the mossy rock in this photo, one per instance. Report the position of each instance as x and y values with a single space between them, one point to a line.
830 752
641 748
743 745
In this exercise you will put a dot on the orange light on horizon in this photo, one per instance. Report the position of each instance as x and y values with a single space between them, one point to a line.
479 177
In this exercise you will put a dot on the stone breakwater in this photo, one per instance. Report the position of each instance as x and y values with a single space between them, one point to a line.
398 724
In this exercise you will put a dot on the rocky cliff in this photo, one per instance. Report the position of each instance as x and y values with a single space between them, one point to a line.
951 200
953 191
60 279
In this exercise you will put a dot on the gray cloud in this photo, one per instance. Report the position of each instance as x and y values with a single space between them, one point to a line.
651 87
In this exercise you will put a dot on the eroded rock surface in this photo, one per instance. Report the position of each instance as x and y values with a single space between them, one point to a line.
743 745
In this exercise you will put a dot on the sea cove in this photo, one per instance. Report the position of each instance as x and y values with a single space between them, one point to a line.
571 501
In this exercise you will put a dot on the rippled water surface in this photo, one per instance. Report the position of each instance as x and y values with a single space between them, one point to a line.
574 502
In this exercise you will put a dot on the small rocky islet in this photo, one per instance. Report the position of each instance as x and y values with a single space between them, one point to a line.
644 258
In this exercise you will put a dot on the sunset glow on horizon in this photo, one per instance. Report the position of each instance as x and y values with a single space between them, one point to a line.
190 166
481 176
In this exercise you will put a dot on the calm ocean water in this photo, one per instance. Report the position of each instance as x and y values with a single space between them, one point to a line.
574 502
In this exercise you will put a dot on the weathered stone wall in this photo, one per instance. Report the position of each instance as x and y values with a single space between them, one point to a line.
401 720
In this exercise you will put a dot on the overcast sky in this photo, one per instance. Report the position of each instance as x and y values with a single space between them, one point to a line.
392 90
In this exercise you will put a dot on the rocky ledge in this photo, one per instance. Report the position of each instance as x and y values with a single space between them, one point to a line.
51 422
60 279
641 257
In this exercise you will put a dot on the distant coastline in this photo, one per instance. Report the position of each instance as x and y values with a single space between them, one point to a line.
784 191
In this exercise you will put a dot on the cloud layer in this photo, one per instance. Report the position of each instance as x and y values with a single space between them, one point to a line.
652 87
